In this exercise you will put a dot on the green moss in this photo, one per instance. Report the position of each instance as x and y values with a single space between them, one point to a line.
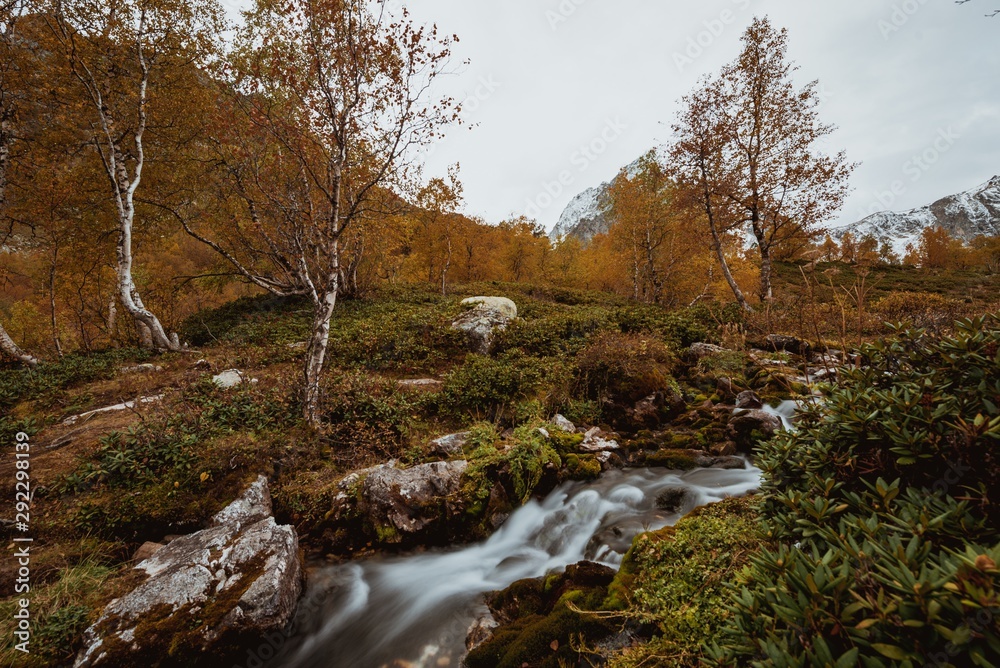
677 579
564 442
545 625
520 466
679 460
582 467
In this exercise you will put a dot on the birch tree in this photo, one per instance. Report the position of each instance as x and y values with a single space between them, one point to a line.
751 137
331 96
121 52
10 94
699 160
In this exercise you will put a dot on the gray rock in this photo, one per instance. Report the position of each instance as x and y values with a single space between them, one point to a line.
749 401
594 441
480 324
724 462
140 368
672 499
408 500
253 568
564 424
500 304
231 378
481 629
788 344
743 424
700 350
146 550
450 445
253 506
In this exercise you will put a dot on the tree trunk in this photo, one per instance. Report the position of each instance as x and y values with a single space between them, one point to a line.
766 291
8 346
52 302
717 243
444 270
316 356
766 271
128 293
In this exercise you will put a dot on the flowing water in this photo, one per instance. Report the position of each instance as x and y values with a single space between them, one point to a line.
416 610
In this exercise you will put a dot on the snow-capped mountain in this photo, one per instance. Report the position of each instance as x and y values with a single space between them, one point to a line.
965 216
584 217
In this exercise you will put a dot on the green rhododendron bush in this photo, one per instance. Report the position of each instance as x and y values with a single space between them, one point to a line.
884 506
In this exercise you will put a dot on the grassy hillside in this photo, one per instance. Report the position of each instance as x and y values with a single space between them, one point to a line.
109 482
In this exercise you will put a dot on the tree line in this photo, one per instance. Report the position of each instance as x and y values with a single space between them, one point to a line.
156 160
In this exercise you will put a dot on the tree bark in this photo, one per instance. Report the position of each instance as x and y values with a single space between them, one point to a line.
316 356
8 346
721 255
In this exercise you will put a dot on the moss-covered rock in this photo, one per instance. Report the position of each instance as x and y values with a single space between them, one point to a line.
675 581
541 619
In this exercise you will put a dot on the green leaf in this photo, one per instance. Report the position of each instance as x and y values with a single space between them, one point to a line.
890 651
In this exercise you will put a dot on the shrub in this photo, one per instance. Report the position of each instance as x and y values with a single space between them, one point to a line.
263 319
48 381
491 388
563 332
883 506
681 328
367 418
624 367
918 309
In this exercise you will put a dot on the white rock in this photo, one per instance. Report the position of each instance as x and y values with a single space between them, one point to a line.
450 445
140 368
501 304
593 441
189 573
564 424
231 378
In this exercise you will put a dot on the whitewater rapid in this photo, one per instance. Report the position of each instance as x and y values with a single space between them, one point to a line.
416 610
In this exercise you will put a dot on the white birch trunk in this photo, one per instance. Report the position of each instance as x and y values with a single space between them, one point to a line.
8 346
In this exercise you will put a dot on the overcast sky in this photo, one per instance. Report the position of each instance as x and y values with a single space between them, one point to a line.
580 88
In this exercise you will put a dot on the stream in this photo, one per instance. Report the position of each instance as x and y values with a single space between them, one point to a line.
416 610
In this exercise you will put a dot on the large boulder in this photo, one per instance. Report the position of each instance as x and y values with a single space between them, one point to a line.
205 594
481 322
500 304
743 426
400 502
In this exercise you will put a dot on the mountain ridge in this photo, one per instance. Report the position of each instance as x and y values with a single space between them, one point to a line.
965 215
